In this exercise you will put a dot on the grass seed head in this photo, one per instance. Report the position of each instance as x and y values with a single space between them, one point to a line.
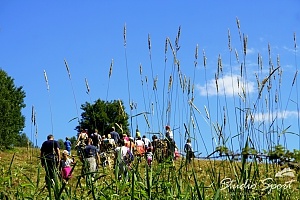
124 34
236 55
196 52
110 68
229 41
141 69
87 85
295 42
204 59
46 79
149 42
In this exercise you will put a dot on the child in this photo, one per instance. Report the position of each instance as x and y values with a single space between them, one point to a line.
149 155
65 165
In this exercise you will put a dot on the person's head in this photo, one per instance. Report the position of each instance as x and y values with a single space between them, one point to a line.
144 136
109 136
188 140
65 153
154 137
96 130
113 128
168 127
50 137
67 138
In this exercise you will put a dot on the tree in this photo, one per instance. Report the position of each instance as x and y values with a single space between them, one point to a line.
23 141
12 121
103 115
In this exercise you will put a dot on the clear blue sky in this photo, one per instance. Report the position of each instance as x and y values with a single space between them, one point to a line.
38 35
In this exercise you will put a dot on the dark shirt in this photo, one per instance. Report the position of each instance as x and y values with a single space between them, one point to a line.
48 148
115 136
90 151
95 138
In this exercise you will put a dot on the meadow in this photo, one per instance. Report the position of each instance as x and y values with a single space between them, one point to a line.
23 178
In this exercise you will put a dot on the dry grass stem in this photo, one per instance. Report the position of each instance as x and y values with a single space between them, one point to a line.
207 113
68 70
170 83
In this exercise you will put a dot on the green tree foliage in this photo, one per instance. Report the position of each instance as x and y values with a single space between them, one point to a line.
61 144
73 140
103 115
23 141
12 121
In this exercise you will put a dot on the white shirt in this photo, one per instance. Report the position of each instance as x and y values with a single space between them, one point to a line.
169 134
123 150
139 143
146 141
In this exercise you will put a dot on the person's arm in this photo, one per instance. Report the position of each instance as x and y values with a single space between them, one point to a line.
98 158
58 154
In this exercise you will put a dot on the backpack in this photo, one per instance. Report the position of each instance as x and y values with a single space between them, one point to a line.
128 158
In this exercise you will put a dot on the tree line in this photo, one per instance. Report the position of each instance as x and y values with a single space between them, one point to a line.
101 115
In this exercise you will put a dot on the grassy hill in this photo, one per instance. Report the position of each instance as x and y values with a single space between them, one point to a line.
23 178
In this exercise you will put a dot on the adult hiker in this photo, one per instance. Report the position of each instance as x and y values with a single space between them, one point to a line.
68 145
50 157
82 138
124 157
90 157
189 150
146 141
115 135
169 133
96 137
139 147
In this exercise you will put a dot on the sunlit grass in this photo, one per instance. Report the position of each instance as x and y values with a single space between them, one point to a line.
202 179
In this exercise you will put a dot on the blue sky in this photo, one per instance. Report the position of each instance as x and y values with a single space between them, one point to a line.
37 36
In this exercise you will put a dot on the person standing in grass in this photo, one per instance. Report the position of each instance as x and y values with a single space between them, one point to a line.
115 135
65 165
68 145
50 157
146 141
124 157
96 139
139 146
91 157
188 149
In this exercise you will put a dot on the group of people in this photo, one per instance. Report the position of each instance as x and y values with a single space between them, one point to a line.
124 148
51 160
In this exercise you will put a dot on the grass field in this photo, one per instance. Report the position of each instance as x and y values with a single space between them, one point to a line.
23 178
